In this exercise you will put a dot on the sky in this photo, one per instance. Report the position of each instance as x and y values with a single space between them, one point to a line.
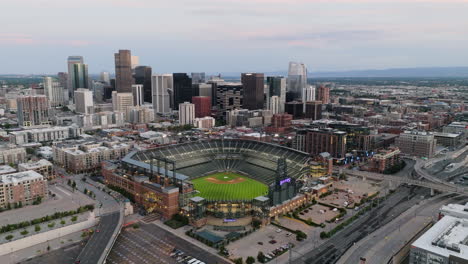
37 36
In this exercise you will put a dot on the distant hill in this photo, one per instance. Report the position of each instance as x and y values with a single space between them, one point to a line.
430 72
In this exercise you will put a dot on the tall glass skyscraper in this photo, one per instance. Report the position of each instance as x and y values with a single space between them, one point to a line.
80 76
123 71
72 60
297 79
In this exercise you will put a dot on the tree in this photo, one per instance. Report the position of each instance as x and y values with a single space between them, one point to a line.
261 257
238 261
250 260
37 228
24 232
256 223
69 182
74 218
62 222
9 237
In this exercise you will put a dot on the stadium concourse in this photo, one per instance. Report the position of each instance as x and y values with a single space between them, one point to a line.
223 178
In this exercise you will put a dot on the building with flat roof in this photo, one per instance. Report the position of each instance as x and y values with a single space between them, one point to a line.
316 141
43 167
12 154
6 169
33 110
444 243
45 134
448 139
24 187
416 143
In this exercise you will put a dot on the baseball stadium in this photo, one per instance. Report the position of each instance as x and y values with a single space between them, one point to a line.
223 178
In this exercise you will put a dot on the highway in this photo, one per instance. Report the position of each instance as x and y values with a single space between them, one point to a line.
336 246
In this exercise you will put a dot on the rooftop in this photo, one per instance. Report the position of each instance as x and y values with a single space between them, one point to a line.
33 165
5 169
18 177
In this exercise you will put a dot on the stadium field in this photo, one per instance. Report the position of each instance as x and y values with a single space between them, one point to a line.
227 186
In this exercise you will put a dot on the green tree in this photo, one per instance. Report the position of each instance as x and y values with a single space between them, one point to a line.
250 260
37 228
74 218
238 261
24 232
62 222
9 237
261 257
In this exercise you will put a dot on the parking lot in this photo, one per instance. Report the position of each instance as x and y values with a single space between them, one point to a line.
267 239
318 214
151 244
64 200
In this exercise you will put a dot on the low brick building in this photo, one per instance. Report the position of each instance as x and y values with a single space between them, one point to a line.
24 187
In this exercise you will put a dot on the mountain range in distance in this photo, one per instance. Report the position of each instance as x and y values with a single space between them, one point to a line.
429 72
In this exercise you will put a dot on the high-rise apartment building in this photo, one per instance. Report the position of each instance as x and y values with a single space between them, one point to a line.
143 76
313 110
416 143
123 71
275 104
183 90
297 79
253 85
24 187
316 141
55 92
202 106
160 86
137 91
84 101
121 102
308 94
33 110
323 93
186 113
276 87
72 60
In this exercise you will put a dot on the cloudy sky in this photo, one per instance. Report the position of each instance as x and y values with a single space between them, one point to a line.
36 36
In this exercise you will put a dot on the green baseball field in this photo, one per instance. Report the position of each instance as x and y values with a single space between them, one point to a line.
227 186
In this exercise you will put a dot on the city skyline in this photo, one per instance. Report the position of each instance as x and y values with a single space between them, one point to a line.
260 37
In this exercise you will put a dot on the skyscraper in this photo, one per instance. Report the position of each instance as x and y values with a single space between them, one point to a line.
229 96
160 87
253 85
135 62
198 77
274 104
71 73
313 110
183 90
186 113
84 101
276 87
297 79
54 92
143 76
105 77
63 80
80 76
33 110
123 71
122 102
137 91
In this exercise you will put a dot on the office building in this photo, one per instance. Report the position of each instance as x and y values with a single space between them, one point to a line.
384 159
253 85
63 80
316 141
135 61
80 77
22 187
229 97
12 154
43 167
295 108
121 102
105 77
206 122
140 115
55 92
101 120
313 110
445 242
297 79
275 104
33 110
143 76
276 86
183 90
186 113
308 94
123 71
202 106
161 85
99 90
84 101
47 134
198 77
451 140
248 118
323 93
71 73
280 124
416 143
137 91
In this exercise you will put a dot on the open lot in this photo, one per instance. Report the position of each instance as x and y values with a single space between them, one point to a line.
250 245
354 189
64 200
229 186
318 213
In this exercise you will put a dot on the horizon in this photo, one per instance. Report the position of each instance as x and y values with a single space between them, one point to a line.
234 36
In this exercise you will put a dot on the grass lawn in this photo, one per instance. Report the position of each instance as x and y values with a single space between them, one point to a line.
228 186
